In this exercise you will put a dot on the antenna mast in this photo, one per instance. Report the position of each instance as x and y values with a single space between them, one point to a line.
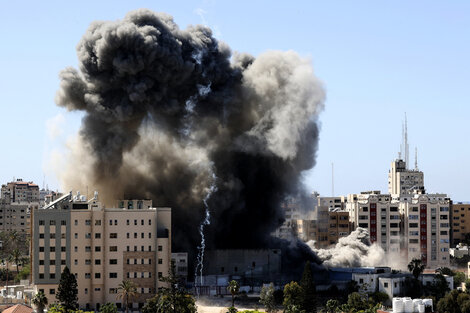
332 179
416 158
407 153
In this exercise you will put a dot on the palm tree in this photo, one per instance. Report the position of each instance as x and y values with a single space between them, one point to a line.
16 257
127 291
40 301
416 267
233 287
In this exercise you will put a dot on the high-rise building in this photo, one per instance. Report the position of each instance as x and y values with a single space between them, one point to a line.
101 246
414 226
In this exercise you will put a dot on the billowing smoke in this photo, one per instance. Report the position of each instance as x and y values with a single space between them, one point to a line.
356 250
167 109
352 251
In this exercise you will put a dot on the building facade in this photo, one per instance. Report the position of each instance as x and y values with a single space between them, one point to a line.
460 221
415 226
20 191
402 180
101 246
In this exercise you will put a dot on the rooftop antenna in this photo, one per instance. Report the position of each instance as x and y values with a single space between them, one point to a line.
332 179
416 158
407 153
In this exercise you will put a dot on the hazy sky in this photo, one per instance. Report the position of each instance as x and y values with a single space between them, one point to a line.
377 61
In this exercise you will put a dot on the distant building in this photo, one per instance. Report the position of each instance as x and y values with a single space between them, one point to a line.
17 200
404 181
181 265
460 221
101 246
20 191
329 222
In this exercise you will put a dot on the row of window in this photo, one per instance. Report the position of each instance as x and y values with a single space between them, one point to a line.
53 222
113 222
98 249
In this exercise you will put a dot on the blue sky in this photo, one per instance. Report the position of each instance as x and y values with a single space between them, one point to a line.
376 60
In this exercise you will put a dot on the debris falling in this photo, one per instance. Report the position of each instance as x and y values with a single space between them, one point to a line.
164 106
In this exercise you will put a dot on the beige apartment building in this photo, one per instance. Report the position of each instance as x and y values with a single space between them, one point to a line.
102 247
402 180
20 191
460 221
329 222
415 226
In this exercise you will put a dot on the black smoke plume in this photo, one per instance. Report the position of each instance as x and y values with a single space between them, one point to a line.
166 110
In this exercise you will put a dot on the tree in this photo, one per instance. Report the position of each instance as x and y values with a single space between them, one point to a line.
40 301
459 278
108 308
171 298
266 298
16 257
332 306
67 291
356 302
292 297
309 303
127 291
416 268
445 271
379 297
438 288
233 287
449 303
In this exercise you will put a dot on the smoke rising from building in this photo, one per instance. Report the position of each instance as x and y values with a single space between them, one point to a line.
356 250
163 107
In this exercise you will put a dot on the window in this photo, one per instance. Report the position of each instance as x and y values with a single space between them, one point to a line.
87 235
160 261
160 274
62 249
41 222
142 235
52 222
97 235
51 276
88 222
97 222
97 262
112 275
127 222
87 249
87 262
135 222
135 235
113 235
41 275
52 249
76 235
63 223
150 235
112 290
113 261
128 235
142 248
98 249
87 275
115 222
150 222
86 291
76 222
113 248
160 248
41 236
52 291
97 275
386 285
75 249
41 262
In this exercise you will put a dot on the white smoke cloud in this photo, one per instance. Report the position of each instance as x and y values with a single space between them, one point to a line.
356 250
